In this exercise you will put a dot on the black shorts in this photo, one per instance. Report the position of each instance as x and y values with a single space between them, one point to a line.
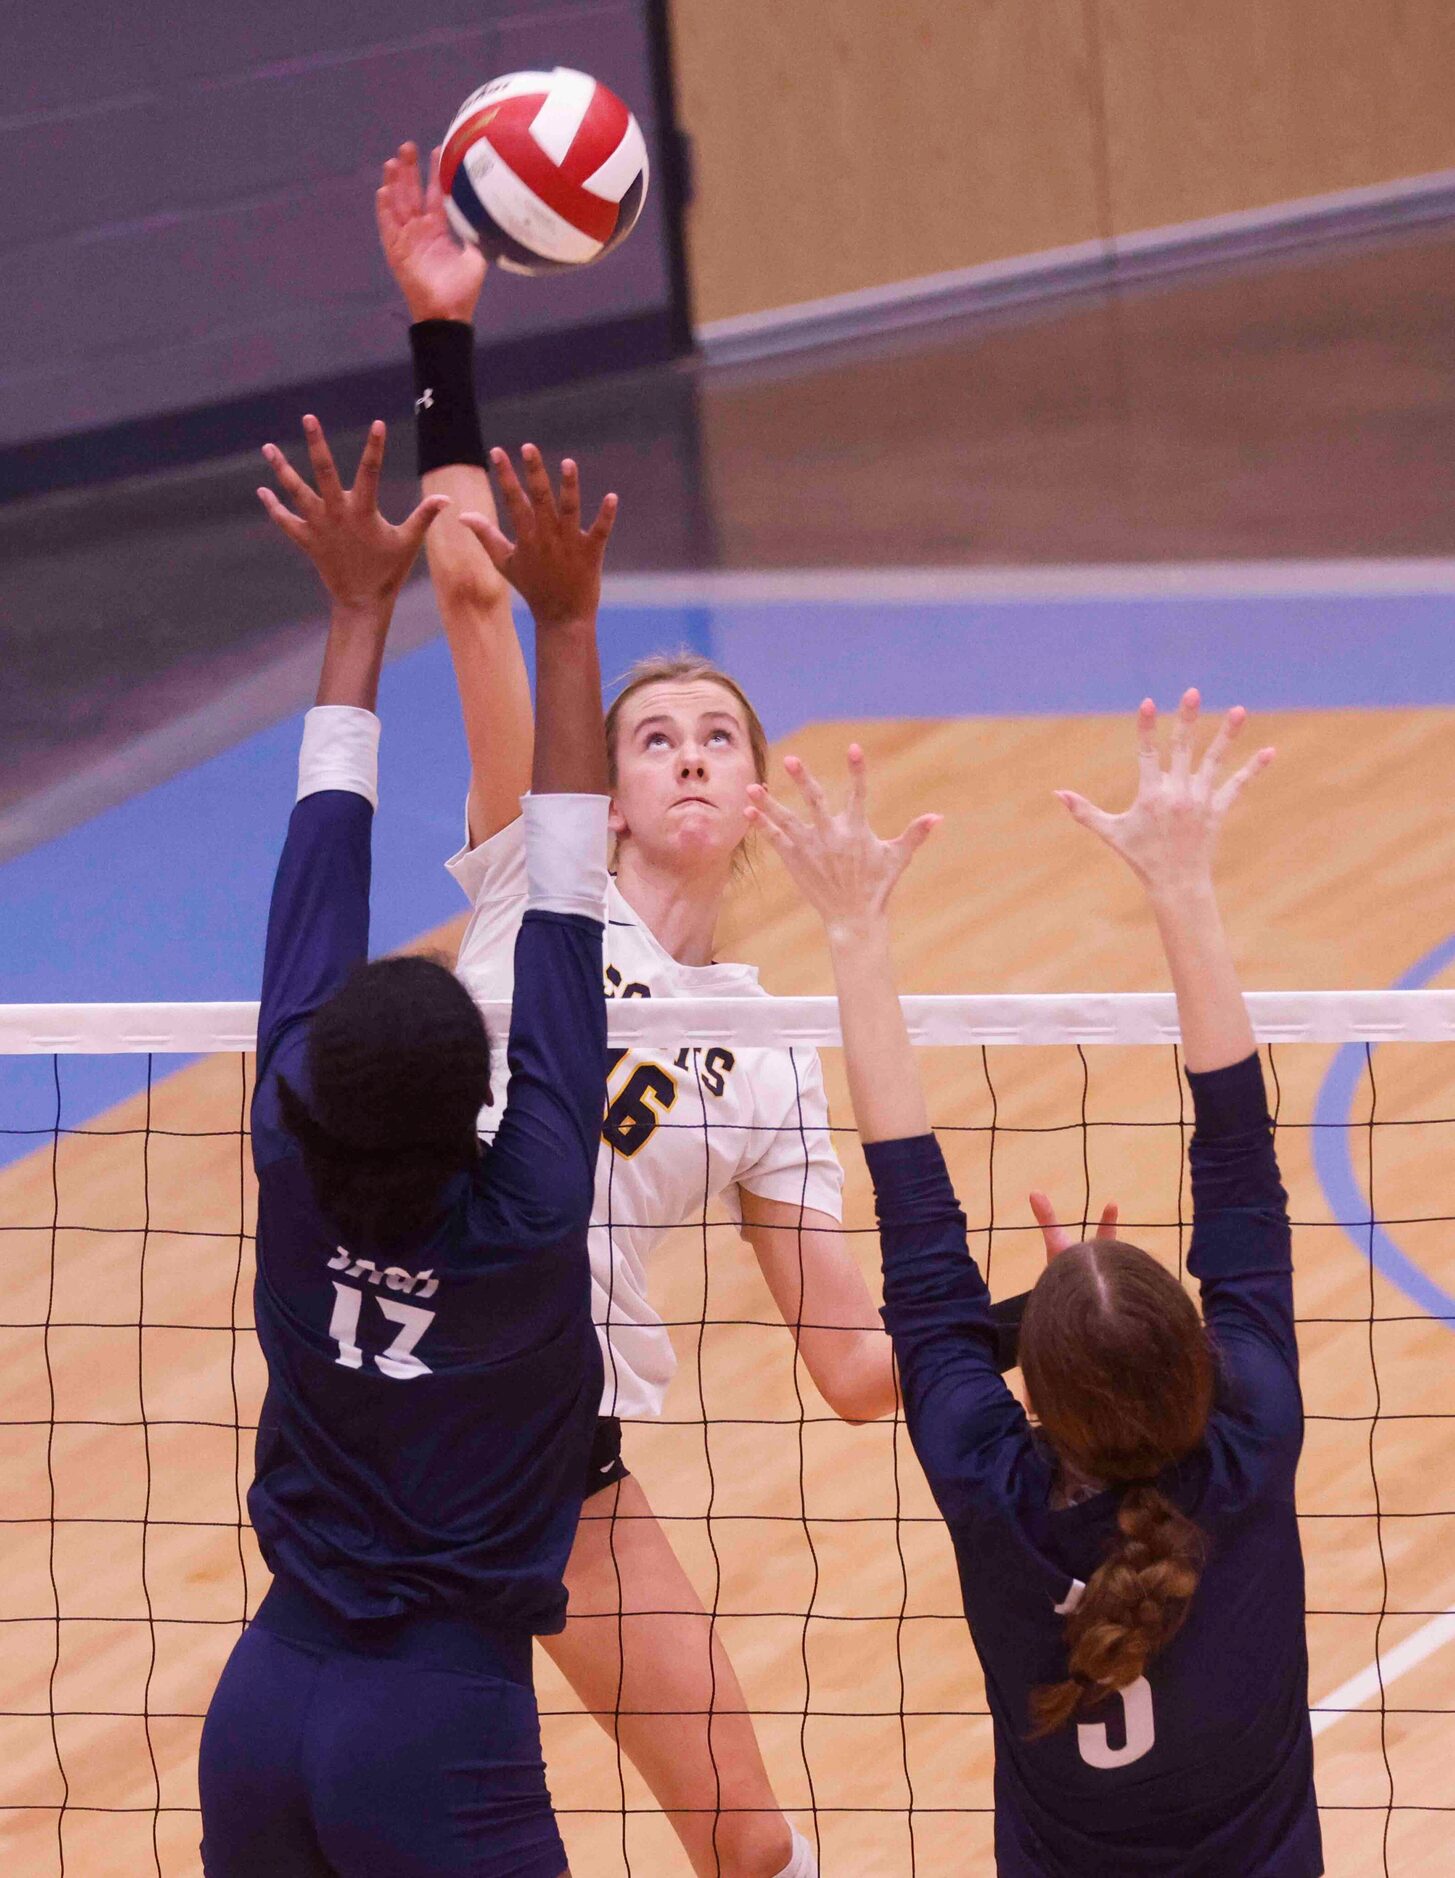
606 1466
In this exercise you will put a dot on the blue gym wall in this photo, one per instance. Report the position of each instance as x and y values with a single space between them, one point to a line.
188 214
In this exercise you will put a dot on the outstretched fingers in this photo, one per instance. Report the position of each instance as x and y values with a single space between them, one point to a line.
1217 750
365 491
1236 783
599 532
858 785
432 198
1056 1237
776 819
1184 730
570 502
514 497
325 471
288 479
538 483
283 518
1149 757
810 788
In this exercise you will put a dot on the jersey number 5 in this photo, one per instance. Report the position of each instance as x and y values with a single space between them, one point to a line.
1095 1742
399 1361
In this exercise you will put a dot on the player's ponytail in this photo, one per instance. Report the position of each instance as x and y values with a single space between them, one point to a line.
1120 1376
398 1069
1133 1604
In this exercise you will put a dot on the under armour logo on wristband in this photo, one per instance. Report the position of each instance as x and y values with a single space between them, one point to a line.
425 400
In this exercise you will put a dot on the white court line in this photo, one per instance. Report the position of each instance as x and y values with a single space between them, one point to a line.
1397 1662
1149 580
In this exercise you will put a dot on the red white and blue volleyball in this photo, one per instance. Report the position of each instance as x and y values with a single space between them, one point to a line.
544 170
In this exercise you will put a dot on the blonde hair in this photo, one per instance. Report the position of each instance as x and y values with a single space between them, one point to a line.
683 667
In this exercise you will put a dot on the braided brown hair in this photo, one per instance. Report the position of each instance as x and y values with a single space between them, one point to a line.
1120 1376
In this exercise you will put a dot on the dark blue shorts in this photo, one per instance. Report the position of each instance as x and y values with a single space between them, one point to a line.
416 1756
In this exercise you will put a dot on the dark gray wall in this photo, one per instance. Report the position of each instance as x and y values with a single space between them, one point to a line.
187 215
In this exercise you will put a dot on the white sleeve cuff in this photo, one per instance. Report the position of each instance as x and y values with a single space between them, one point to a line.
565 853
340 750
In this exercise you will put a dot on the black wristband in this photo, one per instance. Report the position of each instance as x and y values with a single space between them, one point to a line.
1006 1315
446 416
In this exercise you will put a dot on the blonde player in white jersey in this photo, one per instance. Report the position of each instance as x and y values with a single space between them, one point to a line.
685 745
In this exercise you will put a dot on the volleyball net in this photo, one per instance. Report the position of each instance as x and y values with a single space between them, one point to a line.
131 1385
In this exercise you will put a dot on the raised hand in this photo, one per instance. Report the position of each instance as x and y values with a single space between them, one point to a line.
1057 1237
553 563
439 276
842 868
361 559
1168 836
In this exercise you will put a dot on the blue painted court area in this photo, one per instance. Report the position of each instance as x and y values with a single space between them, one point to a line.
165 897
803 662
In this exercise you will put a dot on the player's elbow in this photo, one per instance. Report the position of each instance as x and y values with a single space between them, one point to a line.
861 1388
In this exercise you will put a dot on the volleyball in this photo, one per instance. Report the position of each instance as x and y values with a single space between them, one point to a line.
544 171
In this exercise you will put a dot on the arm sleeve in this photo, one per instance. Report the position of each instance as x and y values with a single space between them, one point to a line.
538 1179
492 878
792 1157
318 920
1006 1314
958 1409
1241 1252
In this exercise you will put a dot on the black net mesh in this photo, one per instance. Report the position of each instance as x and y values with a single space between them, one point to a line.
131 1388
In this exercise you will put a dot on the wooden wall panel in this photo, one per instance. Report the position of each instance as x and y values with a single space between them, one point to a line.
1234 104
843 144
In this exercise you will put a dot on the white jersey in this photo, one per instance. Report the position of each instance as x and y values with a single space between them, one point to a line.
681 1127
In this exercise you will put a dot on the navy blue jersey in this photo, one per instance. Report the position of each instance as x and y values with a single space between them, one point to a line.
1205 1766
430 1406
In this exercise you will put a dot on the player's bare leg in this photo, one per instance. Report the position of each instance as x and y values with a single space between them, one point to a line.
667 1687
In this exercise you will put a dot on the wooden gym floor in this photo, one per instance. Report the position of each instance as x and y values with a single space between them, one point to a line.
1322 887
1298 411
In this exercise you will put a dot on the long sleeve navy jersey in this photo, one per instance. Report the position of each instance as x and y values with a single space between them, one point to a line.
1204 1767
430 1406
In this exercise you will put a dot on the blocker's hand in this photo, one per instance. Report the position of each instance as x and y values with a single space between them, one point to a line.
1168 835
842 868
361 559
439 276
1058 1237
553 563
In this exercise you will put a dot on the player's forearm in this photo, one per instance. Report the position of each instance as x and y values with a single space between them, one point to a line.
353 655
884 1083
490 673
474 598
570 741
1216 1030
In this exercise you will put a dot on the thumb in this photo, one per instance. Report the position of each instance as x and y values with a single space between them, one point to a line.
496 545
415 527
1084 812
916 835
